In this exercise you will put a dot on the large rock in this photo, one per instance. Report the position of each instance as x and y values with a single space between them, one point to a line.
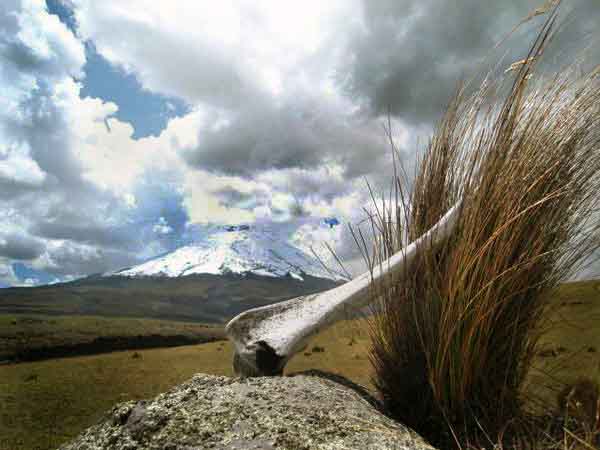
299 412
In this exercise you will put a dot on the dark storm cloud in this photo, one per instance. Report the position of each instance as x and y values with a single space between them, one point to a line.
20 246
411 54
259 139
85 233
303 133
231 197
303 184
11 188
69 259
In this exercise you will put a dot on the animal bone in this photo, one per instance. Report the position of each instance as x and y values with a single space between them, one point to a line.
265 338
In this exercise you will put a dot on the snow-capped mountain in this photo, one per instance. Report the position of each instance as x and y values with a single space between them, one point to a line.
235 249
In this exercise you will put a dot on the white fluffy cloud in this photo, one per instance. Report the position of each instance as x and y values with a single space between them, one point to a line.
260 80
221 53
282 123
18 168
42 175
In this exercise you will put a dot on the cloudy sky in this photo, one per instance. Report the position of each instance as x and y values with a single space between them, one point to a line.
128 127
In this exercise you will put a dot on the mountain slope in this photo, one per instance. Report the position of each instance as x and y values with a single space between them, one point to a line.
197 298
234 250
232 269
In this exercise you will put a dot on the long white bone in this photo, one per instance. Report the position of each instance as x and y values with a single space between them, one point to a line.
266 338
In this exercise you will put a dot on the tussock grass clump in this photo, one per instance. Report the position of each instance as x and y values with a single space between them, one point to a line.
454 337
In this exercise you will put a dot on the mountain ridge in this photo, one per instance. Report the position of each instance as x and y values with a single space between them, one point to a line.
239 249
227 271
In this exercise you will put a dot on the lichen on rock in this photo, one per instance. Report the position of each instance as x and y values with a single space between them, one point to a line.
215 412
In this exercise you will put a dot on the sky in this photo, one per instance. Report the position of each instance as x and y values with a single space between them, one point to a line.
127 128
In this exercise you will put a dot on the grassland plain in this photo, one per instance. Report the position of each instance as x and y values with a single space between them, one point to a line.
49 402
35 337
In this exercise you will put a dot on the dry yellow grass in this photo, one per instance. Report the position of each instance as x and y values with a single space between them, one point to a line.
457 335
46 403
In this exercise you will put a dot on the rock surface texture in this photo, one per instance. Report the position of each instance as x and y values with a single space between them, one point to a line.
299 412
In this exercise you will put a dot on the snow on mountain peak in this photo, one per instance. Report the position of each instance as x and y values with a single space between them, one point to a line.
238 249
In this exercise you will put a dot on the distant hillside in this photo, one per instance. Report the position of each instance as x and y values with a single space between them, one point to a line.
199 298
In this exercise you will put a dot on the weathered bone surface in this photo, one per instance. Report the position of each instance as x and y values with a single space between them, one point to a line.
266 338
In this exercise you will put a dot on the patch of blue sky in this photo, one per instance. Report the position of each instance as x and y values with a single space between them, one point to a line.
32 277
65 14
331 221
159 214
148 112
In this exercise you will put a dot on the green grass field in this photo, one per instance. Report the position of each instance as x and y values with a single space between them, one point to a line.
48 402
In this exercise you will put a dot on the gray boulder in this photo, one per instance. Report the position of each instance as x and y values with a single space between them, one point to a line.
298 412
